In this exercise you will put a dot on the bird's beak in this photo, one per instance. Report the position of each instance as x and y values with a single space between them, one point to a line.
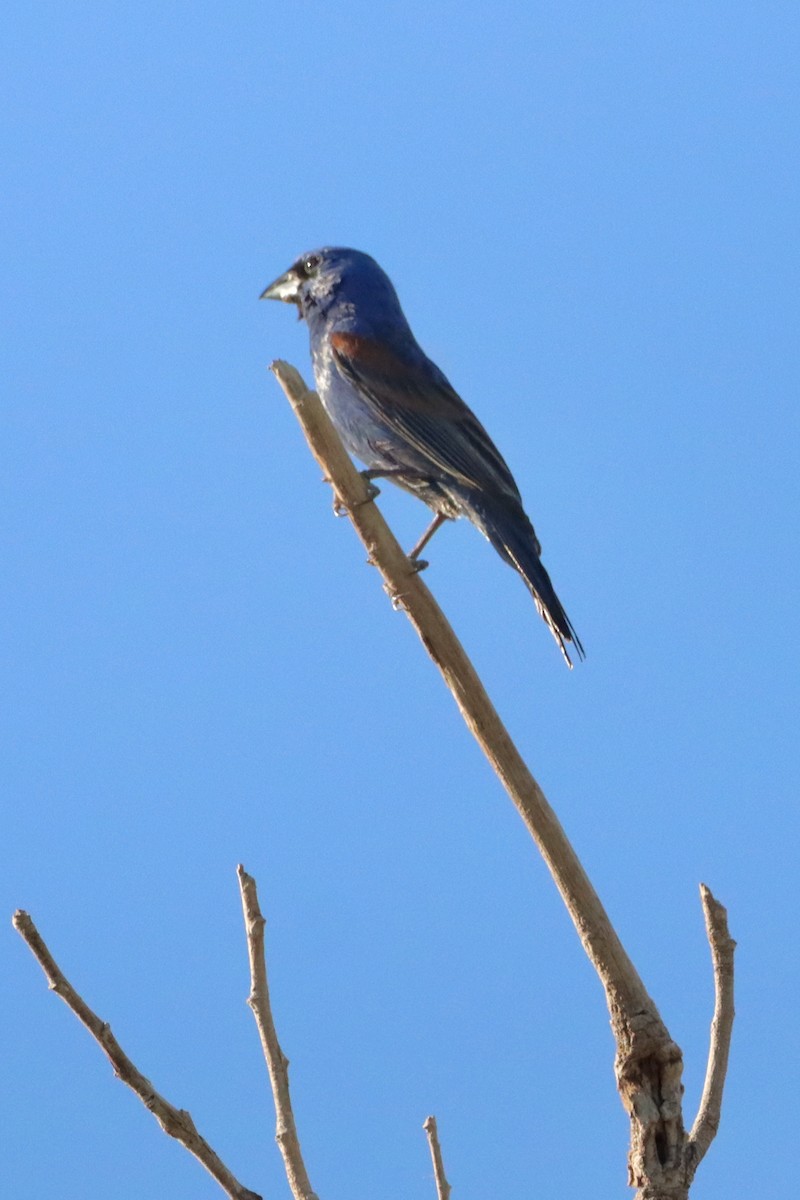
287 288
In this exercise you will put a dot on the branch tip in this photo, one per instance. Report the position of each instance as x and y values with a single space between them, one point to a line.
722 948
174 1121
277 1062
442 1186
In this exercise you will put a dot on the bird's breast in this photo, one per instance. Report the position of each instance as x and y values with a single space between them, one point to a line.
354 417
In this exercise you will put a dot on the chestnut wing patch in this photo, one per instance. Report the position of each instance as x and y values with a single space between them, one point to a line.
419 405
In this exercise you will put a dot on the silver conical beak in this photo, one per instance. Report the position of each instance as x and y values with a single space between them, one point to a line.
286 288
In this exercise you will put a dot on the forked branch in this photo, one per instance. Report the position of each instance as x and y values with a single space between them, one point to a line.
663 1158
648 1063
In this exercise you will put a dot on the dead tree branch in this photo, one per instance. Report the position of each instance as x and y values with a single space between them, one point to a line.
174 1121
648 1063
722 947
442 1186
277 1062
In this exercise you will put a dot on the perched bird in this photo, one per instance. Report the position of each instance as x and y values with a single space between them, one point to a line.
396 411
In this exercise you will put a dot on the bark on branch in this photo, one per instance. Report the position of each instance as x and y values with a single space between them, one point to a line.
648 1063
722 946
174 1121
442 1186
277 1062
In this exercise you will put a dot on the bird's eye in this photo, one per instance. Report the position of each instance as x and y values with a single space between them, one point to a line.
311 263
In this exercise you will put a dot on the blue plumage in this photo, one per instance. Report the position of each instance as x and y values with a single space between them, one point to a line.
397 412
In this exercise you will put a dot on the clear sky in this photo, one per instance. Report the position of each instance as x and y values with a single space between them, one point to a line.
590 212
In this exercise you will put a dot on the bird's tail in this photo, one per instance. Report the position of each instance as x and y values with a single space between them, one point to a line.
511 533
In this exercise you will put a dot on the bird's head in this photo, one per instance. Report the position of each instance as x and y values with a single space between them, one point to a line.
336 282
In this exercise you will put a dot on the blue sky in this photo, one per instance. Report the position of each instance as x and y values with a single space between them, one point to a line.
590 214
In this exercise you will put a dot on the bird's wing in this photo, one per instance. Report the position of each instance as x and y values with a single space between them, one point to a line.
417 402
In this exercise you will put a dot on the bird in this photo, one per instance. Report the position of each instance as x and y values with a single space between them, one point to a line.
398 413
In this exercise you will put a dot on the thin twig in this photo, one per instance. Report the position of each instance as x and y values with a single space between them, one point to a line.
442 1186
174 1121
277 1062
722 947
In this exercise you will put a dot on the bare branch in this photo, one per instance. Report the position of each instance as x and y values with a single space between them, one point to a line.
648 1063
626 993
277 1062
722 947
174 1121
442 1186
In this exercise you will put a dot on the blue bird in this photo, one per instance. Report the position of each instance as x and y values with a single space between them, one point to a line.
396 412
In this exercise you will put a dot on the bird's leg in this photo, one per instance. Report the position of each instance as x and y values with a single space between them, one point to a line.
368 477
390 473
419 563
381 473
372 491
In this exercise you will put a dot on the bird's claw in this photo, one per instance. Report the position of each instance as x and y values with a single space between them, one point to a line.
397 598
341 509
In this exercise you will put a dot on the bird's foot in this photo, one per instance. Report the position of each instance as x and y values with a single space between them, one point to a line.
372 490
341 509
